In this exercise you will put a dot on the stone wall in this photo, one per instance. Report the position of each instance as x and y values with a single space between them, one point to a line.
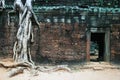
53 41
4 34
115 43
63 41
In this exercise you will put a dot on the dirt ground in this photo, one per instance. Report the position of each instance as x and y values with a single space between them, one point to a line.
95 73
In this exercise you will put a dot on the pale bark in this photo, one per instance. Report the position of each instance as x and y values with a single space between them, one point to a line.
57 68
24 35
21 49
14 65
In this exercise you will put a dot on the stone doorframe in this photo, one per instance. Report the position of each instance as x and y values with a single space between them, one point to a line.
105 30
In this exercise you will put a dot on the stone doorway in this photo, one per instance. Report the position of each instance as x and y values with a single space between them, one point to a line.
97 46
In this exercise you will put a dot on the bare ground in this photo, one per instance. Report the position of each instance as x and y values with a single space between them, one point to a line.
89 72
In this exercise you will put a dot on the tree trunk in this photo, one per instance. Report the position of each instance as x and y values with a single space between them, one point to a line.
21 47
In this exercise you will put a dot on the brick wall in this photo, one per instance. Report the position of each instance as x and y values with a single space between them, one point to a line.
115 43
63 41
53 41
4 34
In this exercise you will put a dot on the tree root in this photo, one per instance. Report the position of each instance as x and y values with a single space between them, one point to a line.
16 71
22 46
58 68
14 65
18 68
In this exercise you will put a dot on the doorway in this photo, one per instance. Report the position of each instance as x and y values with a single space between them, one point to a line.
97 47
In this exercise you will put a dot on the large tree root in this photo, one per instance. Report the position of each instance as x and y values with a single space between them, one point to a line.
57 68
15 68
18 68
16 71
14 65
24 36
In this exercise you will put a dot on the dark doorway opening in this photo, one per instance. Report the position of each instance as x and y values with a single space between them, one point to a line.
97 46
